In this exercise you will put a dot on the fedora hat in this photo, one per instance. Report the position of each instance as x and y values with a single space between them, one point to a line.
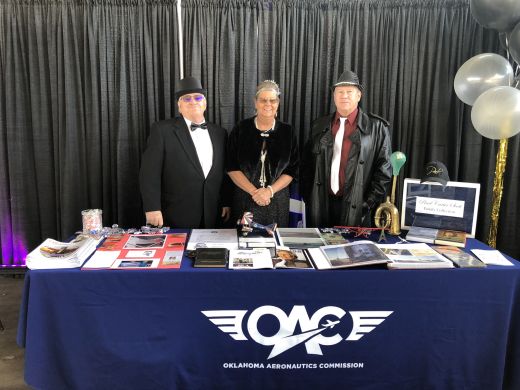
348 78
436 171
189 85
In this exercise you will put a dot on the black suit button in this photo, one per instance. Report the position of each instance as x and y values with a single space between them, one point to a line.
361 162
353 206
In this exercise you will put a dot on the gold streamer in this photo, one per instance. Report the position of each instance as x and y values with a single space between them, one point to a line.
497 192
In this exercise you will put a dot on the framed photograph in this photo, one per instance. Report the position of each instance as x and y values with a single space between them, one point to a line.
431 205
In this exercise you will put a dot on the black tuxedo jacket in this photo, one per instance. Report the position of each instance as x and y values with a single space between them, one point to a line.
171 177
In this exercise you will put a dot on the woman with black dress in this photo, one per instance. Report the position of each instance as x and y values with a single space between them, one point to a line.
262 160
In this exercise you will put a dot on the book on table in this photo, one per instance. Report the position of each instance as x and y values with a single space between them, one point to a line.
460 258
414 256
451 237
422 234
437 236
211 258
354 254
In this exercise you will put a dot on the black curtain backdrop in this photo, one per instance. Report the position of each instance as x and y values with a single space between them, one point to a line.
82 81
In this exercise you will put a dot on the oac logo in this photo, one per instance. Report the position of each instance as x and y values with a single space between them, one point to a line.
230 321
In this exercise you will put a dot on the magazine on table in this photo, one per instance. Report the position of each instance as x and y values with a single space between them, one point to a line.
354 254
460 258
414 256
56 254
291 258
139 251
255 258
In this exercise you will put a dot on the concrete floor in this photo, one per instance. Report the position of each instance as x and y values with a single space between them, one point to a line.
11 355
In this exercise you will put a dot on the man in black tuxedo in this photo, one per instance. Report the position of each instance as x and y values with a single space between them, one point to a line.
182 169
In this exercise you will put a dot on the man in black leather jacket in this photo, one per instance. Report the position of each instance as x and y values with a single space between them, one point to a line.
359 157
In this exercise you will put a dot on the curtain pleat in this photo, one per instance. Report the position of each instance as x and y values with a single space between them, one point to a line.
82 81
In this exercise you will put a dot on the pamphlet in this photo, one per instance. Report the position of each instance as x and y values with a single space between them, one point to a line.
256 258
491 257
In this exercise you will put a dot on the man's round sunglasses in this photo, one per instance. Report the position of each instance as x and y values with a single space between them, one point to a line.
188 98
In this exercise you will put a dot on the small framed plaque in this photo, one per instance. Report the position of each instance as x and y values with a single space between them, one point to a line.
432 205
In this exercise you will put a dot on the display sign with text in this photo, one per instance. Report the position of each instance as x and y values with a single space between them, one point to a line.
433 205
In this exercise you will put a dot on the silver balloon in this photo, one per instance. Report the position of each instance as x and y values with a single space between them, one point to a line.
502 15
480 73
496 113
514 43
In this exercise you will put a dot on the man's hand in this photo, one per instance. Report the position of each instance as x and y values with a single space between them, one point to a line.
226 213
154 218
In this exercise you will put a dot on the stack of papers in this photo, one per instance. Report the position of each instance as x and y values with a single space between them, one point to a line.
56 254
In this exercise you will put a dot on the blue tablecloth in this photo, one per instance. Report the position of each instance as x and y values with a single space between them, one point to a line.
287 329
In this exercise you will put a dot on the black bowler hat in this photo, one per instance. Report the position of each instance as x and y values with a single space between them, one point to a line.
435 171
348 78
189 85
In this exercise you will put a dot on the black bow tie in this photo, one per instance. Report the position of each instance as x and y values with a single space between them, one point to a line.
203 126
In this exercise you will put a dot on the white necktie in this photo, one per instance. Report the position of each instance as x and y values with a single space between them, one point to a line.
336 157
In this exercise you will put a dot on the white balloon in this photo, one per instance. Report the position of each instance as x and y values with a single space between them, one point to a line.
496 113
480 73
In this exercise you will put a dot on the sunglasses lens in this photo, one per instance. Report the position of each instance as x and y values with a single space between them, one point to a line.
189 98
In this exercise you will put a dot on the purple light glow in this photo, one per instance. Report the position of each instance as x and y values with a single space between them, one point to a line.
13 251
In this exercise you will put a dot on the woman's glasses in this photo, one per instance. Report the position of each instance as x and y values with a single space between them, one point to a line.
268 101
189 98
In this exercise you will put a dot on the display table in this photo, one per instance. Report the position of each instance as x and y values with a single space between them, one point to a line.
367 328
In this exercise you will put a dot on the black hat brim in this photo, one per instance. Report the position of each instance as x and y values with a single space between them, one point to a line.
435 179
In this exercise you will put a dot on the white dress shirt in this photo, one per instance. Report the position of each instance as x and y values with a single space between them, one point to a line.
203 146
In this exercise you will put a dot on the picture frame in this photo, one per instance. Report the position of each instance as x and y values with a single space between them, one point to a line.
432 205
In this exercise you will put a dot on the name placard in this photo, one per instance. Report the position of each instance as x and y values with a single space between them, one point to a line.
439 206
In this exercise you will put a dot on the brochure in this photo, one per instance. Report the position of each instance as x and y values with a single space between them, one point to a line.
256 258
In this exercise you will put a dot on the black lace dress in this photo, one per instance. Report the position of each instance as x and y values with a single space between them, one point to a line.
245 145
